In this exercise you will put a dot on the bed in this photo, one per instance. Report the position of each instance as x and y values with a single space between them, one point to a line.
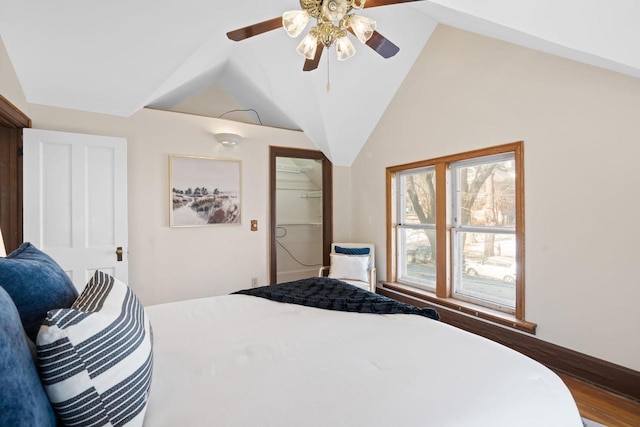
316 352
243 360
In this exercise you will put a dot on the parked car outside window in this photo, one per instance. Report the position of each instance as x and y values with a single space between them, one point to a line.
419 254
500 268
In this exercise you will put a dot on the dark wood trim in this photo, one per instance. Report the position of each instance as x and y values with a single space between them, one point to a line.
11 116
481 152
520 254
12 121
327 209
327 201
494 316
443 230
11 187
607 375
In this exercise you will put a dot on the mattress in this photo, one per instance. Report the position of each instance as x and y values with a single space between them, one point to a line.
240 360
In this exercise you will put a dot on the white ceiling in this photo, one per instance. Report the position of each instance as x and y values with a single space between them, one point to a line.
118 56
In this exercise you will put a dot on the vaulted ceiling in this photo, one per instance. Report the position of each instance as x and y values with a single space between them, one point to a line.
115 57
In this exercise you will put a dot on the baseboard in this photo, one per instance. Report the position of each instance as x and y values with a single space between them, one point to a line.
607 375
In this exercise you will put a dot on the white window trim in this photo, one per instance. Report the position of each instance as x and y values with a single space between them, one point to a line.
457 227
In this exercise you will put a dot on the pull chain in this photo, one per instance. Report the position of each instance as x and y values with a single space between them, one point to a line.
328 77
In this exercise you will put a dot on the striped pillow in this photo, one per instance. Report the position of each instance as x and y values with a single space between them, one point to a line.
96 357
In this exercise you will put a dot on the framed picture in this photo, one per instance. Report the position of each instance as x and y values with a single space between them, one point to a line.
204 191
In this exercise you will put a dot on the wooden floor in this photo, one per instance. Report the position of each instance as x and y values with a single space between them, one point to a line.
602 406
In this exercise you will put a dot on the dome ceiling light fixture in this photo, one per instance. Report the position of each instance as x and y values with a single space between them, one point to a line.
228 139
335 19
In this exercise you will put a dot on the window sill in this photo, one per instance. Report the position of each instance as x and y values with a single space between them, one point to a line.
464 307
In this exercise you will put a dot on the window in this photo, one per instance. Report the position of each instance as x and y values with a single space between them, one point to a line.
456 231
417 228
483 231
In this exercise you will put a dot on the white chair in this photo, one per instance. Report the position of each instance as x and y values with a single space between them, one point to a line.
357 270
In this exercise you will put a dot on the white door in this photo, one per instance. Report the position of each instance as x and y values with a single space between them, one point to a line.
75 201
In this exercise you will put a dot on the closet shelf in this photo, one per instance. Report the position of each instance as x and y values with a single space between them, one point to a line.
312 195
290 223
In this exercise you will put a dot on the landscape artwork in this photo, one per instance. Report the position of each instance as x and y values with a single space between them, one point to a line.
204 191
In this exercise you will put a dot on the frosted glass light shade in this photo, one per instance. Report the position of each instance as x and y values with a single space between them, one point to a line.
294 21
362 27
308 46
228 138
344 48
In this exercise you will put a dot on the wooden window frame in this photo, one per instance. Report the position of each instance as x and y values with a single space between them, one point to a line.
443 293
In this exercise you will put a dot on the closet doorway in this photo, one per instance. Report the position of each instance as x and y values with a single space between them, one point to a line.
301 210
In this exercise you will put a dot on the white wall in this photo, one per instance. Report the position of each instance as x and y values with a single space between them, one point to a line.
9 84
581 132
342 204
168 264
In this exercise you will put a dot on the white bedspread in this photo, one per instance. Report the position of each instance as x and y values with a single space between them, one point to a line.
239 360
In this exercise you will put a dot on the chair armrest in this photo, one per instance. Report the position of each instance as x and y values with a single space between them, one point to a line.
372 280
322 270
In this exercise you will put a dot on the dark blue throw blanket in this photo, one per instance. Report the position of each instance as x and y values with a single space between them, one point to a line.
332 294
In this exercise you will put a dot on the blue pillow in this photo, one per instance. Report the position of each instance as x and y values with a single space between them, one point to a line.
23 401
37 284
352 251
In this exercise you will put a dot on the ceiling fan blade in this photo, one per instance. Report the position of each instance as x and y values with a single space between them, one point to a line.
381 44
255 29
375 3
312 64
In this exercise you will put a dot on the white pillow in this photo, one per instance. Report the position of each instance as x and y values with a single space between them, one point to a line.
96 358
350 267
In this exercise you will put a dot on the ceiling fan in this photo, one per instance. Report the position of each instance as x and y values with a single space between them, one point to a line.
334 19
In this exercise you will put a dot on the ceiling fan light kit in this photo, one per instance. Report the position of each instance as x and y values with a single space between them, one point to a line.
309 45
344 48
295 21
362 27
334 20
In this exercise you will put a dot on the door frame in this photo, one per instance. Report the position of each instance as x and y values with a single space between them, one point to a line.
327 201
12 120
11 116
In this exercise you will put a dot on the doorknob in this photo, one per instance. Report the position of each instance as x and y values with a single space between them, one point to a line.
119 253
